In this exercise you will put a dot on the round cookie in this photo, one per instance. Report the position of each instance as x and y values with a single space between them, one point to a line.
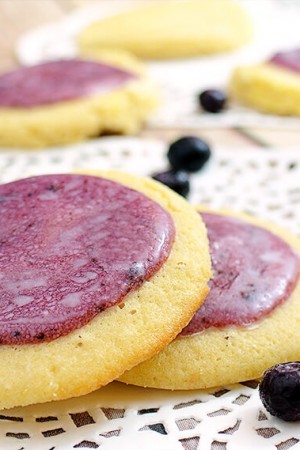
110 95
171 30
220 356
125 334
271 87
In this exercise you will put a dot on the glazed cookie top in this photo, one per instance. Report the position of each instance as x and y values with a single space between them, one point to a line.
254 272
287 60
58 81
72 246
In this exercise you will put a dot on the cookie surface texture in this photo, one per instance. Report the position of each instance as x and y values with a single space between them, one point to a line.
272 87
220 356
118 108
125 334
171 29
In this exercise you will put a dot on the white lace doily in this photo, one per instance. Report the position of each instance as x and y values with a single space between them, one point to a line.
262 182
276 24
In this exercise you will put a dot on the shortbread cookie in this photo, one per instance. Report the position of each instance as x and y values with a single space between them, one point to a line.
60 102
97 274
250 319
271 87
171 29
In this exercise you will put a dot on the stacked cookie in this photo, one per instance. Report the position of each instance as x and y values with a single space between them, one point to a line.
100 273
250 318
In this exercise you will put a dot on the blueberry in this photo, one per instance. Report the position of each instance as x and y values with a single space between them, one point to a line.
279 391
177 180
213 100
188 153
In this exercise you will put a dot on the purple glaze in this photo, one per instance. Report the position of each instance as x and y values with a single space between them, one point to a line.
70 247
288 60
254 272
58 81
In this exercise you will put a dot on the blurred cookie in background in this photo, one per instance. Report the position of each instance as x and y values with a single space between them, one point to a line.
166 30
69 100
272 86
108 270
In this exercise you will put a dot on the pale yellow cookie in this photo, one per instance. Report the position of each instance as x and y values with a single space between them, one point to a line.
123 335
164 30
216 357
122 110
267 88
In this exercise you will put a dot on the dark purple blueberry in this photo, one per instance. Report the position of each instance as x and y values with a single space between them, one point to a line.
279 391
213 100
179 181
188 153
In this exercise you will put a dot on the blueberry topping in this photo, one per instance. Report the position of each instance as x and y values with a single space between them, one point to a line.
279 391
177 180
212 100
188 153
